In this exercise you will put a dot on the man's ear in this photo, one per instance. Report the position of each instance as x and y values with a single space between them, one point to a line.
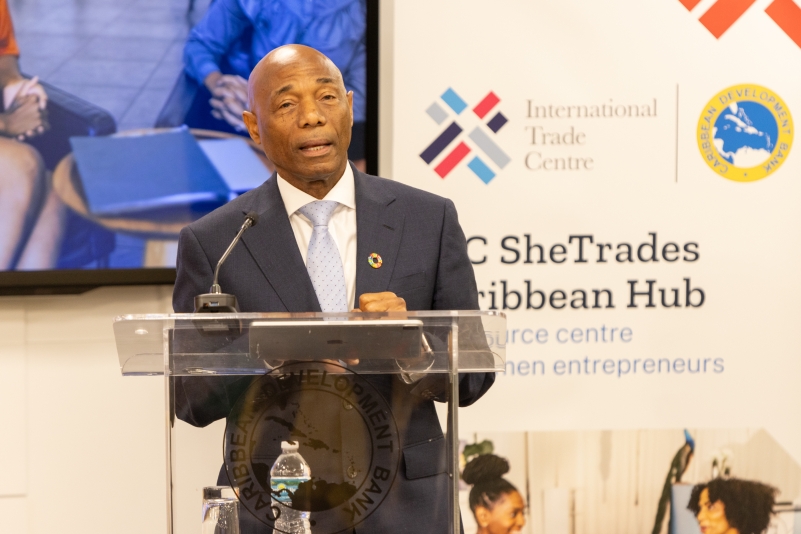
252 125
350 106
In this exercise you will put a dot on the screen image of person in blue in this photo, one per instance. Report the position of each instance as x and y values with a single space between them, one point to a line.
30 213
496 504
234 35
732 506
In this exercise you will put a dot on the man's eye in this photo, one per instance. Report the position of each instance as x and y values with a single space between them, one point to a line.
286 104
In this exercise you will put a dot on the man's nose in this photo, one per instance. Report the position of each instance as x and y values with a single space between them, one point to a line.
311 114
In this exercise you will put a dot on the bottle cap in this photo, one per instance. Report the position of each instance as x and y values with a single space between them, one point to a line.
289 446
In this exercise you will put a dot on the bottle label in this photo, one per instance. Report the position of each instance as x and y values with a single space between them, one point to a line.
284 487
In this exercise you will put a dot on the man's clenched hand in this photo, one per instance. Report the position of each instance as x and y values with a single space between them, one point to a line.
381 302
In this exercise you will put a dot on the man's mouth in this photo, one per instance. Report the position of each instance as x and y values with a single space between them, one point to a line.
315 146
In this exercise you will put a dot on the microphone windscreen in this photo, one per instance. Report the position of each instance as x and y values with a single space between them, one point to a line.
254 217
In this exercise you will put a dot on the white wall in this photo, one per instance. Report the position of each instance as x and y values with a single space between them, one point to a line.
81 448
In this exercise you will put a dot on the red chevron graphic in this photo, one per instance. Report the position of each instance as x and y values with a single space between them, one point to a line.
690 4
787 15
723 14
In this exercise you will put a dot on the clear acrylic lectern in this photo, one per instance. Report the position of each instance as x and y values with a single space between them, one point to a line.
350 390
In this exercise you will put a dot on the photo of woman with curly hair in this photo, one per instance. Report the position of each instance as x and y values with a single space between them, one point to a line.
496 504
732 506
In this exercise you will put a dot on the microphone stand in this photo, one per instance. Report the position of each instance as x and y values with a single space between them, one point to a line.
215 301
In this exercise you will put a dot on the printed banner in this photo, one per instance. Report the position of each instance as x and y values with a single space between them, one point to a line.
626 176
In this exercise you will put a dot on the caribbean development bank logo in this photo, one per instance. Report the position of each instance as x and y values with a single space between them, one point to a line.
345 432
745 132
479 136
724 13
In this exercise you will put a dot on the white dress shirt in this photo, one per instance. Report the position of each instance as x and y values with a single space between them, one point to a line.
342 225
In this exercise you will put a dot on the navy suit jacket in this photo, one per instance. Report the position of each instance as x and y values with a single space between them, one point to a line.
425 261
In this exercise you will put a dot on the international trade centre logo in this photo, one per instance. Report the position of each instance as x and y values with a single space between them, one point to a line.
724 13
745 133
479 136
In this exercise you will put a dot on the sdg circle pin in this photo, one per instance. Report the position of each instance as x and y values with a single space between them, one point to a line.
374 260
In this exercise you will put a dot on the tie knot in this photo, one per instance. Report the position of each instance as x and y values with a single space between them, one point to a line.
319 212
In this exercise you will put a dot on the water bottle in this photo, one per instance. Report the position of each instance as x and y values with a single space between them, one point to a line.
287 473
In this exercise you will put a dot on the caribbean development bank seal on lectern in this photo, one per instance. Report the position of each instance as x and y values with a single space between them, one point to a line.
314 420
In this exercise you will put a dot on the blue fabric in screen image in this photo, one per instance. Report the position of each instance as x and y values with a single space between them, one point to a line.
746 133
129 252
133 175
235 34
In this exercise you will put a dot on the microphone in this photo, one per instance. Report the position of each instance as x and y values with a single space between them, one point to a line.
215 301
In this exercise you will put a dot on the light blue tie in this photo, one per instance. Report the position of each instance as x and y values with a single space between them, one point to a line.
323 260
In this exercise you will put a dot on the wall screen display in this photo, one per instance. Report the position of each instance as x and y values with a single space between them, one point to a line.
120 123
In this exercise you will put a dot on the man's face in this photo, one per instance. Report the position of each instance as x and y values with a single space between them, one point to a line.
304 118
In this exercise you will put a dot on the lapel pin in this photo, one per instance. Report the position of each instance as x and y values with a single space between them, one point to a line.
374 260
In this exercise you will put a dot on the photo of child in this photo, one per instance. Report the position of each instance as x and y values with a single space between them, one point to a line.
497 506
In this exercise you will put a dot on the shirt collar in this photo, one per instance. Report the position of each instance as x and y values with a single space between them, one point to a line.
343 192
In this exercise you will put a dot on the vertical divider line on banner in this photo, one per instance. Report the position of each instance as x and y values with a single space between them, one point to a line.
677 134
453 423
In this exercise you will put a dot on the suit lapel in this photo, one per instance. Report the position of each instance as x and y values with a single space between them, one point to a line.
274 248
379 221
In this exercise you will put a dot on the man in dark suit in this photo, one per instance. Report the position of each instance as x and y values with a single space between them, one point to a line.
301 115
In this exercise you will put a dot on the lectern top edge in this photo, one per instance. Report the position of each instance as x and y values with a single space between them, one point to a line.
308 315
256 343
